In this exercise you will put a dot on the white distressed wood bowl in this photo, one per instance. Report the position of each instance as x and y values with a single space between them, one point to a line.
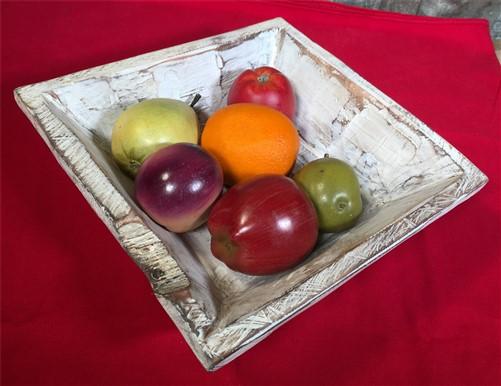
409 175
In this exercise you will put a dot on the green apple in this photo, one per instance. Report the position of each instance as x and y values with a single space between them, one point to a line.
148 126
333 188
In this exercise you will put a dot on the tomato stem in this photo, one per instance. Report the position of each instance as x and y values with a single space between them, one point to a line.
263 78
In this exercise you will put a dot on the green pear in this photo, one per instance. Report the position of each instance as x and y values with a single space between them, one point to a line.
333 187
149 125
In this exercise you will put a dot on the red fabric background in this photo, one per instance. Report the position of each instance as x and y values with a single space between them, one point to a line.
76 310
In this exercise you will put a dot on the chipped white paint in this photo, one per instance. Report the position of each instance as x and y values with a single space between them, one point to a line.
409 175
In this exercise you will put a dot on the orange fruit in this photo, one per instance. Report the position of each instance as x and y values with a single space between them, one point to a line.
250 139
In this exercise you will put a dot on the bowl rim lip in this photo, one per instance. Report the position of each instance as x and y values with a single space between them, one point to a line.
31 100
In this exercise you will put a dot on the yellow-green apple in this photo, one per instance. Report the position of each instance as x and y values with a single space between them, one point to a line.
148 126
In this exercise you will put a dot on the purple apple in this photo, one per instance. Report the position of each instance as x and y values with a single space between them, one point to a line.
177 185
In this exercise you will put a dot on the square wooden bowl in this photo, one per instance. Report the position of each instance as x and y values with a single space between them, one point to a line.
409 175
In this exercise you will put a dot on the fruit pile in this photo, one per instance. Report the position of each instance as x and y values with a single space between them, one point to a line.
265 222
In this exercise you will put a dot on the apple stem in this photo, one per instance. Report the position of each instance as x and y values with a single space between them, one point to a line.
326 155
195 100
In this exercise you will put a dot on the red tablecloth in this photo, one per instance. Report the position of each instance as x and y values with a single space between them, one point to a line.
76 310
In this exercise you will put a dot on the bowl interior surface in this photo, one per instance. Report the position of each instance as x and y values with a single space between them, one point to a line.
398 167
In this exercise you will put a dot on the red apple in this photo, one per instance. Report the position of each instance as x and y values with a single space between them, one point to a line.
263 226
264 86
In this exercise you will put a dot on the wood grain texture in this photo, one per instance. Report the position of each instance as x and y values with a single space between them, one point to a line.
497 47
409 175
487 9
403 6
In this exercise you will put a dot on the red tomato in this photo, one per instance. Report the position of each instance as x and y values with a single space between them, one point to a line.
265 86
